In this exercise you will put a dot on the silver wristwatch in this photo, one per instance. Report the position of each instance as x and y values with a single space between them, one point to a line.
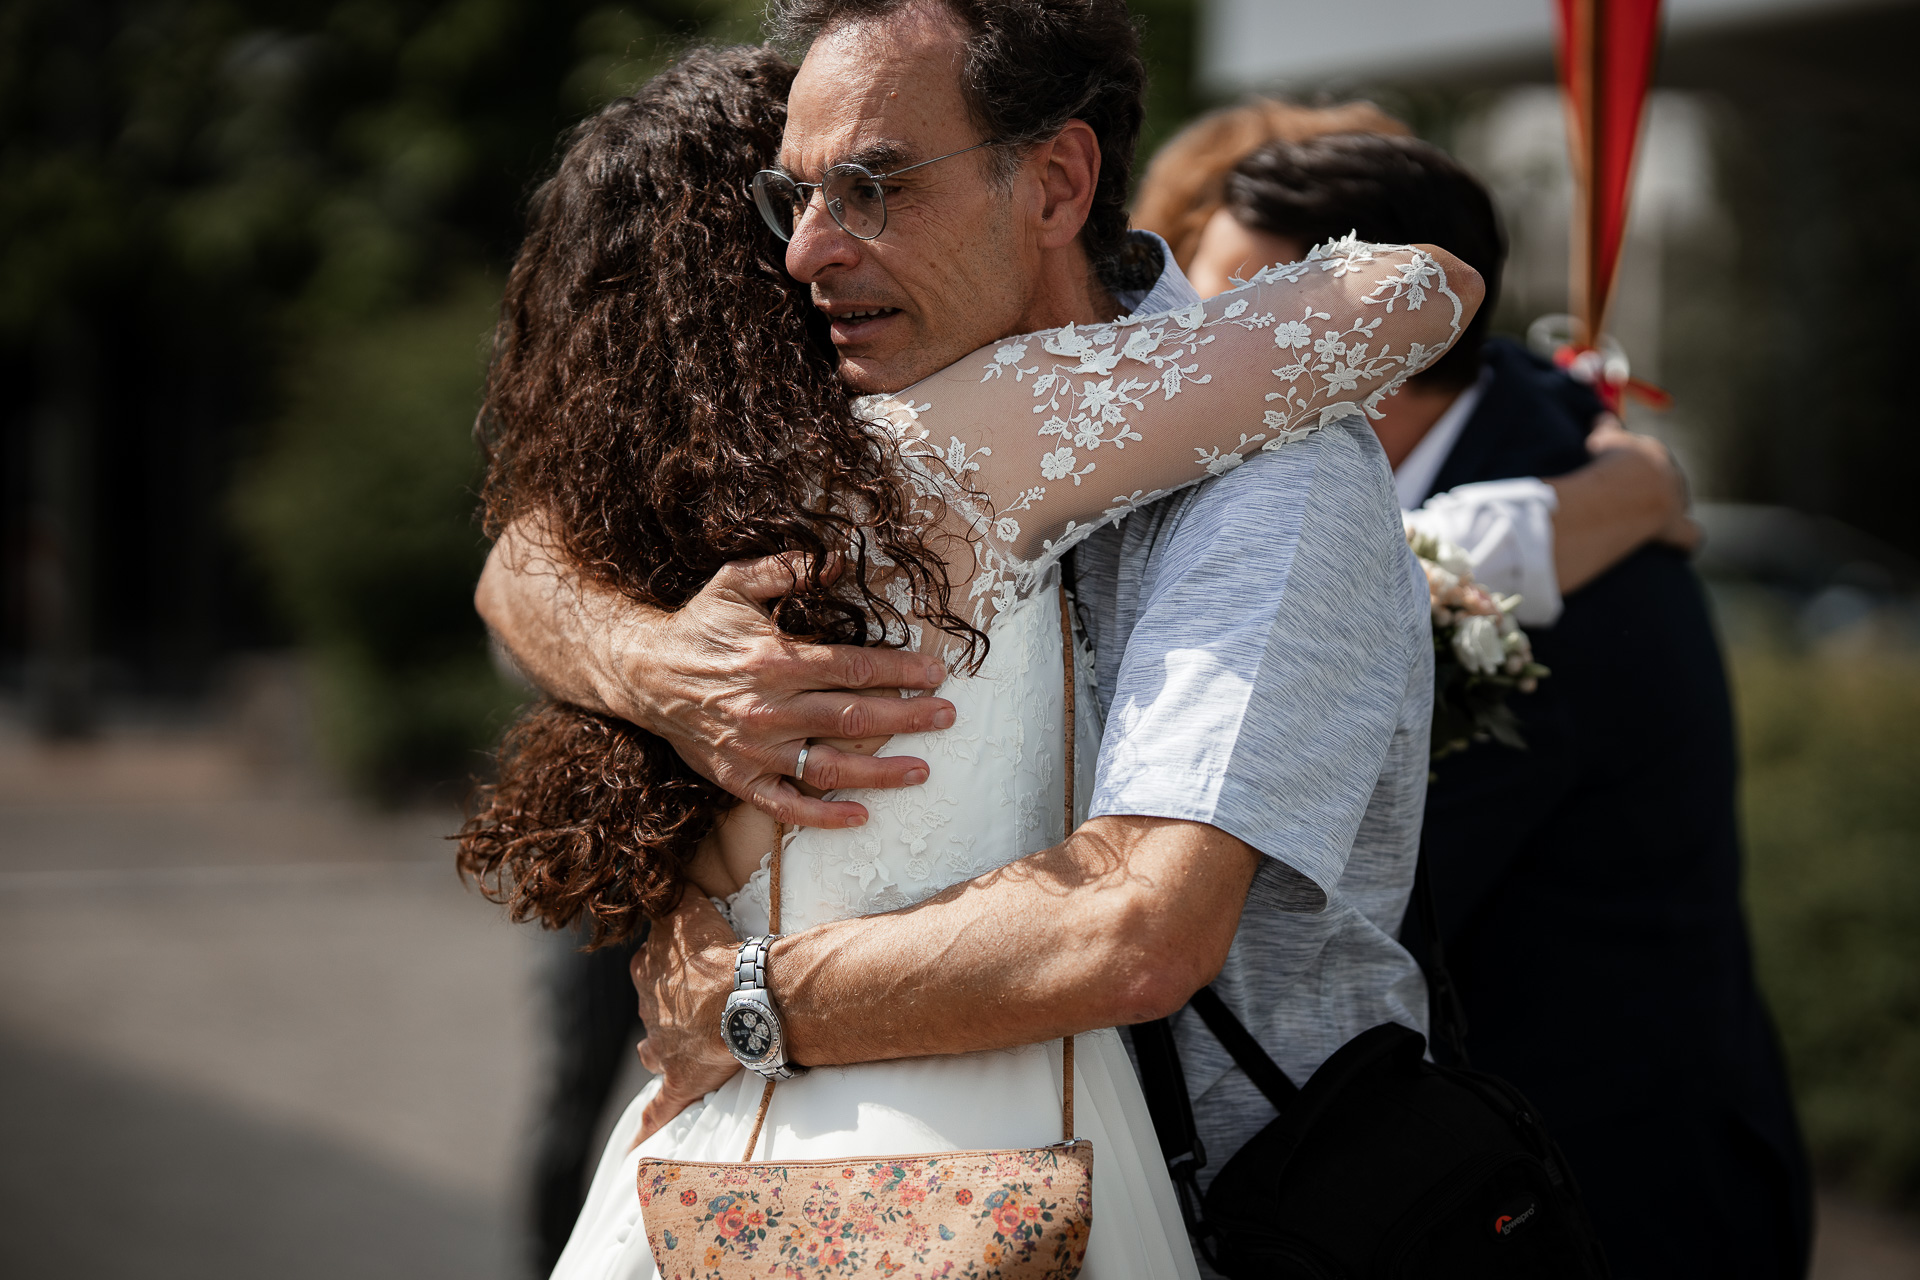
749 1024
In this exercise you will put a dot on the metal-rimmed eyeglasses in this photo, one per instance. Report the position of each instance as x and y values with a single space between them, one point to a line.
855 200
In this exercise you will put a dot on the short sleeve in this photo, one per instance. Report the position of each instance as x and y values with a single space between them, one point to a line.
1266 674
1506 529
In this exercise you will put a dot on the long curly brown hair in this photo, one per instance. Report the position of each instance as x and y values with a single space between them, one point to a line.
663 399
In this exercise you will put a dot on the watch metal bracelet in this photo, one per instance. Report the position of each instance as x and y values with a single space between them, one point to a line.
750 963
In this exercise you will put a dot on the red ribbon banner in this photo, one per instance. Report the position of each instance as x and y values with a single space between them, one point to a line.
1606 64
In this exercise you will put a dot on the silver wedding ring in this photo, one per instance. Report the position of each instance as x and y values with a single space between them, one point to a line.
800 767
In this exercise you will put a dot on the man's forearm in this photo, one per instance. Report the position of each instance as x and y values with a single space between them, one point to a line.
551 620
1118 924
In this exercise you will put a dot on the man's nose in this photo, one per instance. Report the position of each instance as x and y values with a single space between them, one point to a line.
819 244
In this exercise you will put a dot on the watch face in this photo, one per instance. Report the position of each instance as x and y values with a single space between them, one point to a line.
749 1032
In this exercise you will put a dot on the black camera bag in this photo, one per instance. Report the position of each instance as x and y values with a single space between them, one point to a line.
1384 1167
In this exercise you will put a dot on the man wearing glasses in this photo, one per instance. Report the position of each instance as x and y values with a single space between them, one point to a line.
953 173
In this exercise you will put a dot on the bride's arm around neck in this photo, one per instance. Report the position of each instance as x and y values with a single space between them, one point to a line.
1059 431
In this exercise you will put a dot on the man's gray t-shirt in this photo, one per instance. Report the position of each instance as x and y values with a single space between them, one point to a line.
1264 665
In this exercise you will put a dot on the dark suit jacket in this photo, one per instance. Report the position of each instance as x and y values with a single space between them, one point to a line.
1588 893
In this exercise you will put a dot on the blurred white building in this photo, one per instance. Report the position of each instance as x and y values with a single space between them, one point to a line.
1312 44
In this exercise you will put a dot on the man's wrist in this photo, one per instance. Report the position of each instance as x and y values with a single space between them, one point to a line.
619 677
716 967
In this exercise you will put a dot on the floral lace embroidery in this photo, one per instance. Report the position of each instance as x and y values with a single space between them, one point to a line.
1095 378
994 795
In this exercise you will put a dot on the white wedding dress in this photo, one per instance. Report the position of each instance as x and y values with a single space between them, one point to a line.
1031 446
995 796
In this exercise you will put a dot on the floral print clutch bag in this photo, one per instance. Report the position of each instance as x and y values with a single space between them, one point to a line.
993 1215
1017 1214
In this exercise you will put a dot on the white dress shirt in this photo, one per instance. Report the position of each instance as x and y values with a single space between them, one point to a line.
1504 526
1414 477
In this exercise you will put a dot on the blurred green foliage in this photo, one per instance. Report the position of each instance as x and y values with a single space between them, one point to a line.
345 155
1169 44
311 205
362 508
1832 820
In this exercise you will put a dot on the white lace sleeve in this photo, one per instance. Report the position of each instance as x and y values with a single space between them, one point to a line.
1035 443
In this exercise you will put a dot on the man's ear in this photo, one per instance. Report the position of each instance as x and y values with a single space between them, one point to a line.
1069 168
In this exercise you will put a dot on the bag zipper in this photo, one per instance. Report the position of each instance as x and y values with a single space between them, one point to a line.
827 1161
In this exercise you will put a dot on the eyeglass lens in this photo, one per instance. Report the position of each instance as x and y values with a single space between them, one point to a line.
852 196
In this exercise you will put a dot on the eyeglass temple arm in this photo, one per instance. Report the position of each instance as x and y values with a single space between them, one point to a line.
921 164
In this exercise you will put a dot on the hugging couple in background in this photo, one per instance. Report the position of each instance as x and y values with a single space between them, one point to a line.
822 400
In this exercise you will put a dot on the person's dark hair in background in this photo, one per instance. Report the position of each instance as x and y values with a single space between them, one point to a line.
1090 52
1387 189
1587 888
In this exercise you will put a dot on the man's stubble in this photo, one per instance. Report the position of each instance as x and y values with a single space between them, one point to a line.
1007 298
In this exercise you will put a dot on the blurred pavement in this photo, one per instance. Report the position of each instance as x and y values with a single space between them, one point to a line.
246 1030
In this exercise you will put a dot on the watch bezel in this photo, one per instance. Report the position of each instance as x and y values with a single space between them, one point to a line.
762 1004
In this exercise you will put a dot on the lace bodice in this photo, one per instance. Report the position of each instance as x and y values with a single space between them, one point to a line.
1028 447
995 793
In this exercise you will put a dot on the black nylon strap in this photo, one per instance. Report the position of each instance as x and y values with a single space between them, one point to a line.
1444 1009
1244 1049
1165 1085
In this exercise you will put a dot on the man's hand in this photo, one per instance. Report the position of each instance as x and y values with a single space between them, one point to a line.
1679 529
737 699
1630 494
682 975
